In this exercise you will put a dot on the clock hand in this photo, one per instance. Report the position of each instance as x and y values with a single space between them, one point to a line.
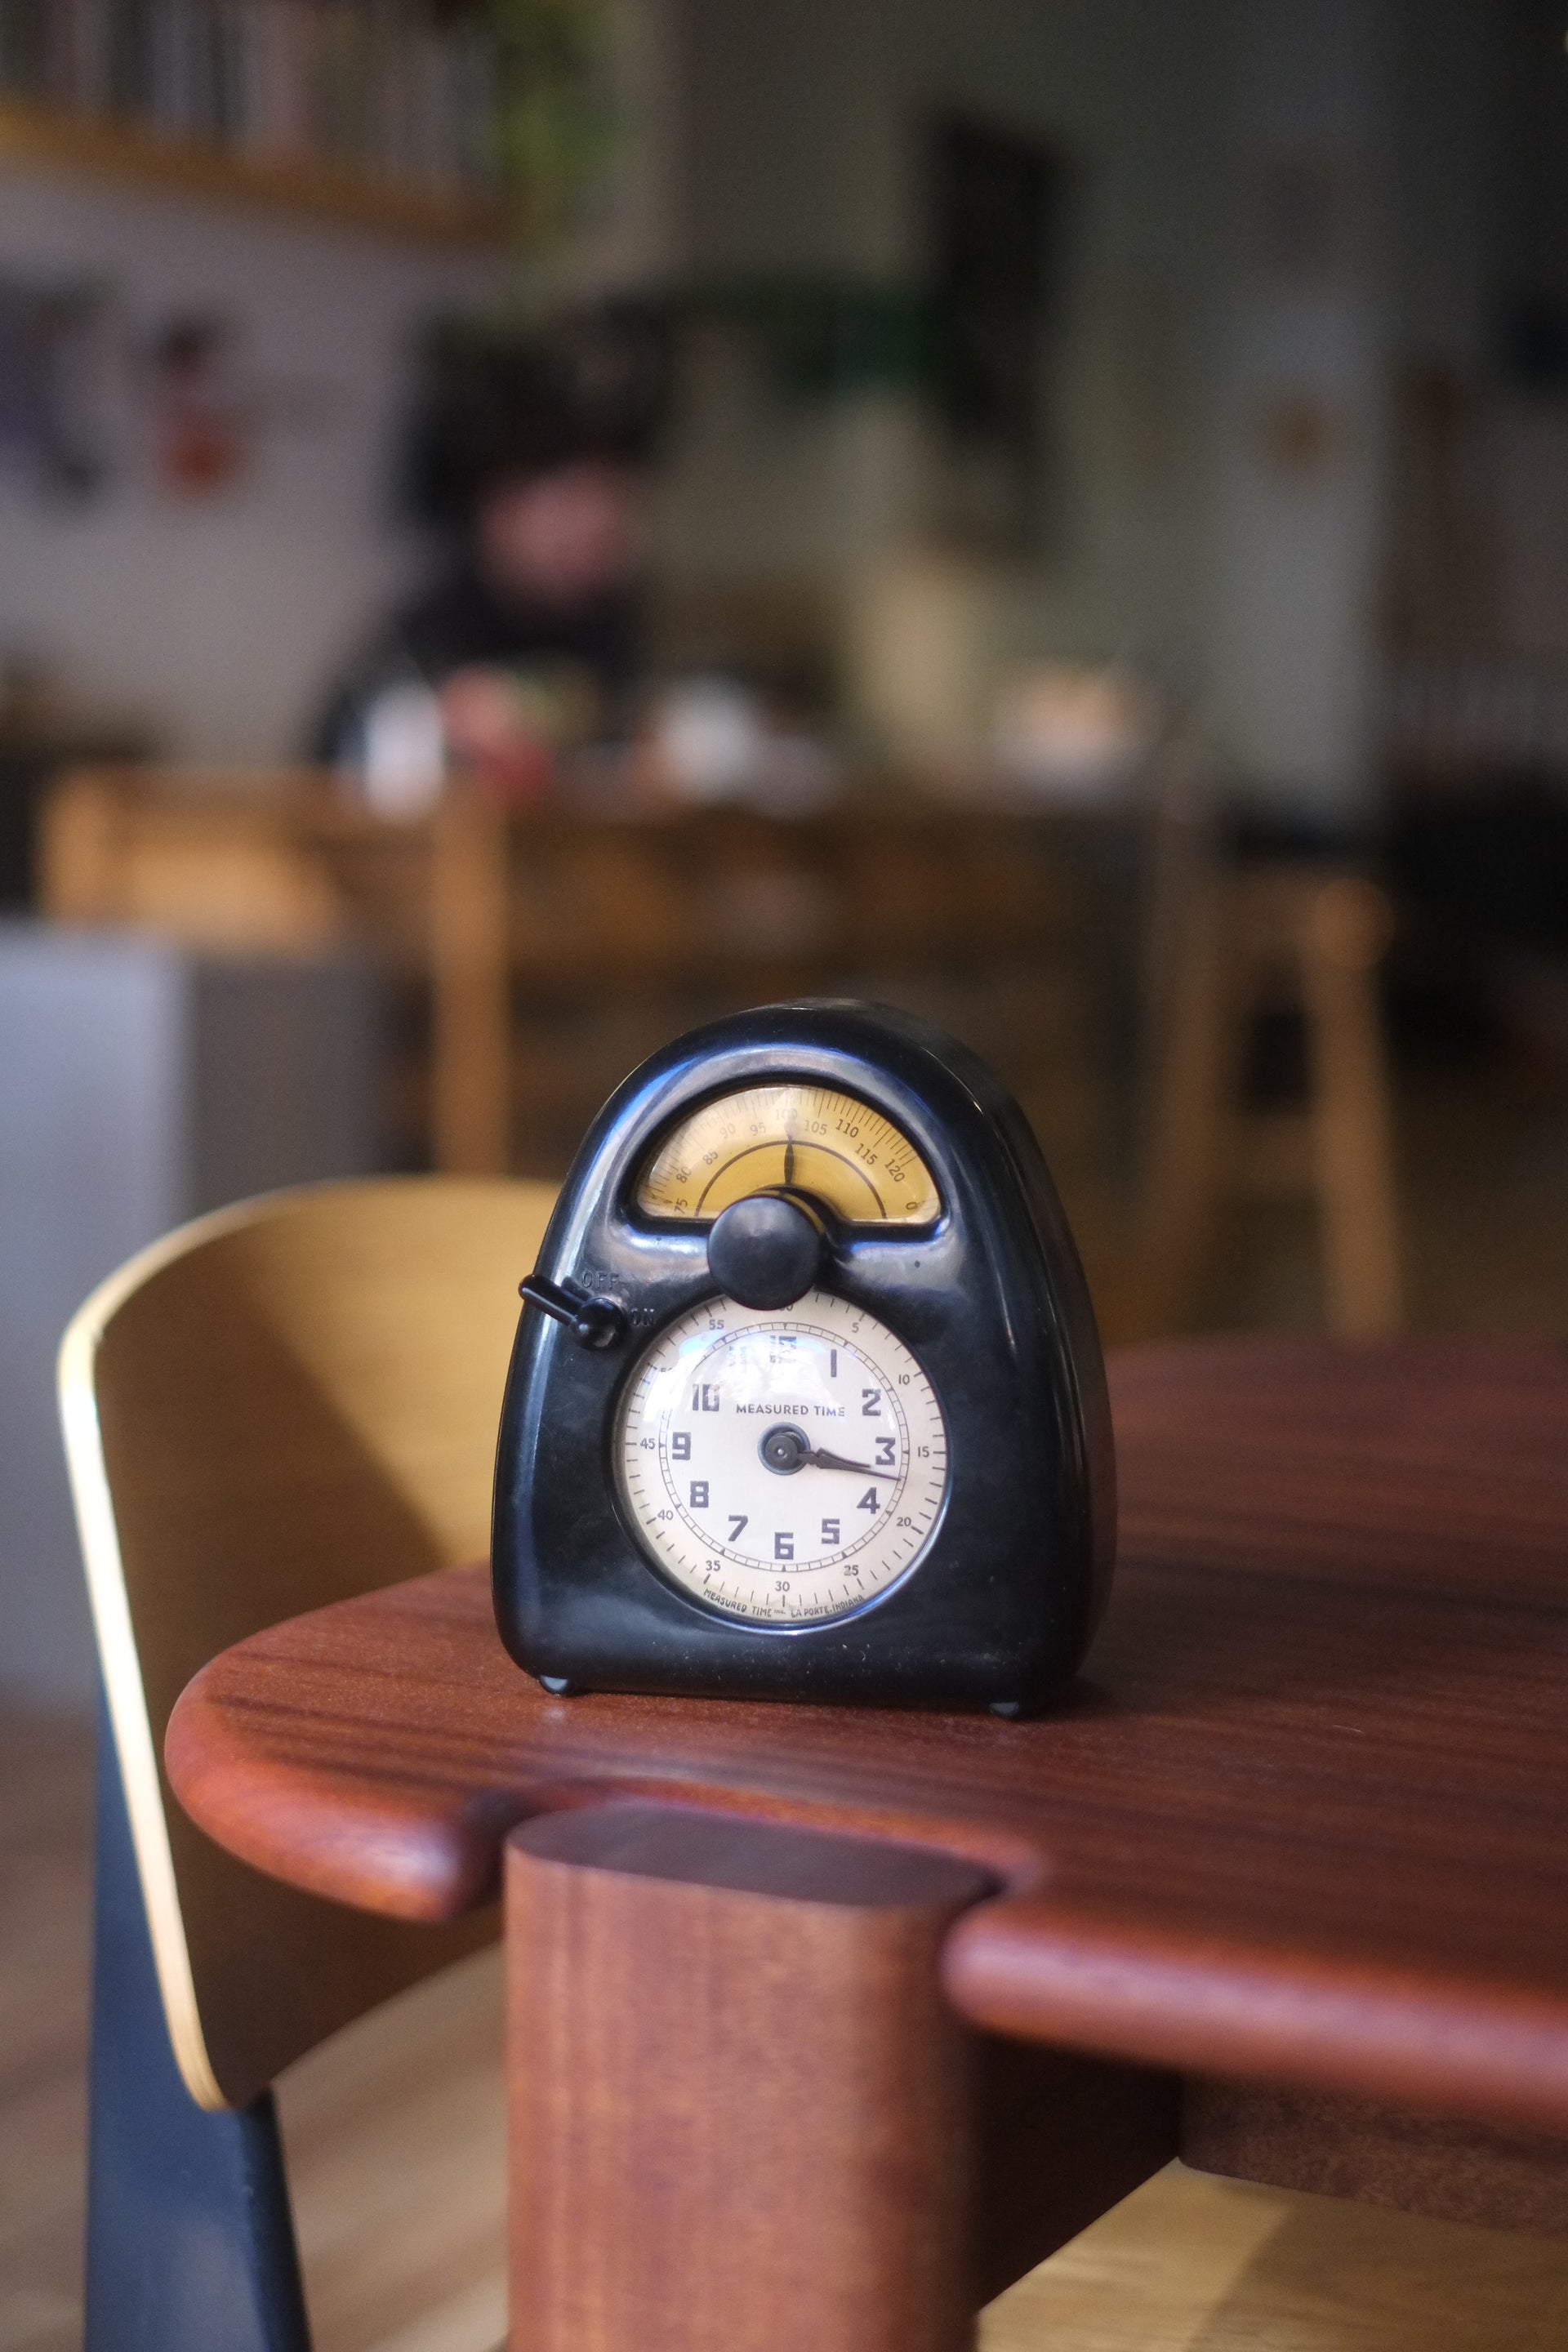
787 1449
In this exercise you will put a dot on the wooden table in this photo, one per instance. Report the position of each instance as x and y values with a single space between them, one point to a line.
827 2024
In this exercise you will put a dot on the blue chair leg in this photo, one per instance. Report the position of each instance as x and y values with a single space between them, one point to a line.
190 2239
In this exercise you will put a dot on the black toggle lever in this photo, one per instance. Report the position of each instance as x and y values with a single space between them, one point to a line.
593 1322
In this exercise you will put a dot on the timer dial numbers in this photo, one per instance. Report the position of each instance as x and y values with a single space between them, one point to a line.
783 1468
826 1143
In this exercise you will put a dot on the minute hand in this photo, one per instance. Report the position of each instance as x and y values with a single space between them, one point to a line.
836 1462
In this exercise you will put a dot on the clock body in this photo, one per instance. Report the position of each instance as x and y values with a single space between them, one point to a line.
888 1476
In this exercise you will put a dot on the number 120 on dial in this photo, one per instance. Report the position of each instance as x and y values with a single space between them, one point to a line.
785 1468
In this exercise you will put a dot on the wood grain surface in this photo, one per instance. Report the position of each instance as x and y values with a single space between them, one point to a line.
396 2136
1436 2165
1302 1821
743 2117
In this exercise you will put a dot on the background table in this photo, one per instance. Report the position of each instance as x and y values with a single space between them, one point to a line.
1288 1872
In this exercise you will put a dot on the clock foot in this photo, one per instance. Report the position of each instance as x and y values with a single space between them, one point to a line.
558 1685
1011 1709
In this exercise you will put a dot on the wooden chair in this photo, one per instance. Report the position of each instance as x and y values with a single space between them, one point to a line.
289 1402
656 921
257 860
532 959
1227 944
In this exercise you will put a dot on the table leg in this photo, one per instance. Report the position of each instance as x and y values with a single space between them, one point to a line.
743 2119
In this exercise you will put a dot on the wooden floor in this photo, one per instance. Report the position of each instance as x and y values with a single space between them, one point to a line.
45 1836
395 2131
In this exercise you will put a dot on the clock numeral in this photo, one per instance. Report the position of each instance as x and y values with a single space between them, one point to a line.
833 1363
870 1403
680 1447
869 1501
705 1399
783 1544
700 1494
780 1584
737 1521
886 1452
831 1533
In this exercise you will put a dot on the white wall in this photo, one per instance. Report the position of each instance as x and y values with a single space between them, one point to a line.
1186 542
801 147
1133 96
1294 649
222 620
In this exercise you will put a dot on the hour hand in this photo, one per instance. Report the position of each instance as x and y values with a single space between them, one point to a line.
825 1460
787 1449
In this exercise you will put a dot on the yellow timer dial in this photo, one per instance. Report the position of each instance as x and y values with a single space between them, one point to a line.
829 1144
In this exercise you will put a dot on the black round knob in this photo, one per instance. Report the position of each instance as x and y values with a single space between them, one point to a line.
784 1449
766 1250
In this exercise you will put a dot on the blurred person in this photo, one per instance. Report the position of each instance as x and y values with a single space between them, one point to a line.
525 454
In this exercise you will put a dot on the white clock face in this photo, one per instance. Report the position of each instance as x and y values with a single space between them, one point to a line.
781 1467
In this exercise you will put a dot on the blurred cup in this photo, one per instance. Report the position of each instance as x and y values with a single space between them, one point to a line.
404 769
713 740
708 739
1067 732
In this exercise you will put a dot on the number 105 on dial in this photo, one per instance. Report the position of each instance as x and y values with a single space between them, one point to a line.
785 1468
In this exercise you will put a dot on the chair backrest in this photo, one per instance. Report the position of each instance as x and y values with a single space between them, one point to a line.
278 1406
669 916
274 861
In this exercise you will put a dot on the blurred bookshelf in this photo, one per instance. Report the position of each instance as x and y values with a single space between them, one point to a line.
105 148
371 113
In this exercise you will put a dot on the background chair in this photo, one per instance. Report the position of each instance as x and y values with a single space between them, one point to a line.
1232 942
564 947
283 1404
528 959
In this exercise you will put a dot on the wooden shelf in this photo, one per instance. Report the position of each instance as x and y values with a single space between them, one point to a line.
102 146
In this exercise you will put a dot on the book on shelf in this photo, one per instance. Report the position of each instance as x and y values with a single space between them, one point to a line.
378 87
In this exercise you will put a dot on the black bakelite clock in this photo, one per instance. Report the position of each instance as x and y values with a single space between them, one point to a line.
806 1400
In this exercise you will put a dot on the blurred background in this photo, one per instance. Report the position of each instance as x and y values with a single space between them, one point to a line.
526 524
